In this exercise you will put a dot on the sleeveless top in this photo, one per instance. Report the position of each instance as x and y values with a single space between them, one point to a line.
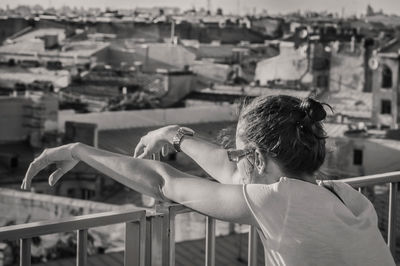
301 223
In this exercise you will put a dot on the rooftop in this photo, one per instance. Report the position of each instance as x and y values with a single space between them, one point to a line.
35 47
349 102
35 34
11 75
392 47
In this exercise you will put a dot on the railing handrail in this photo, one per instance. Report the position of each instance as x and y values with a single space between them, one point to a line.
377 179
29 230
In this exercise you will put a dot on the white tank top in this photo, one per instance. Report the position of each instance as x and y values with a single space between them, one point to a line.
304 224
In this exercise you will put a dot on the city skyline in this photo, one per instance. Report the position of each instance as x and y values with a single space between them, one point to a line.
356 7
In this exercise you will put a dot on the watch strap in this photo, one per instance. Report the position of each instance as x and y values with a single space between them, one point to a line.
180 134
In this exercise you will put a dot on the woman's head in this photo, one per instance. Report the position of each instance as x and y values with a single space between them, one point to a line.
285 129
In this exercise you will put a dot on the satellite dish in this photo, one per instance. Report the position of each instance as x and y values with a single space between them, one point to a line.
373 63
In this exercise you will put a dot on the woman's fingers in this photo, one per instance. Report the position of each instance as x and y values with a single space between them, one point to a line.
34 168
139 149
144 154
55 176
165 150
63 169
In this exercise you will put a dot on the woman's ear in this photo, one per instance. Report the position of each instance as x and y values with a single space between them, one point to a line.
260 162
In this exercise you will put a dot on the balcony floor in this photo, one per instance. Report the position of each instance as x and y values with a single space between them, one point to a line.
190 253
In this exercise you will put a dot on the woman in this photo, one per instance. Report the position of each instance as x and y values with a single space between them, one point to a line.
268 181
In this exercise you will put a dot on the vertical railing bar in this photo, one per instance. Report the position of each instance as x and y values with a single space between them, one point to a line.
210 241
81 247
168 232
155 244
166 242
171 230
252 248
360 189
149 234
142 240
25 252
392 217
131 244
135 243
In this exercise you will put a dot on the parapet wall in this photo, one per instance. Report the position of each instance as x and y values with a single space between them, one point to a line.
151 118
22 207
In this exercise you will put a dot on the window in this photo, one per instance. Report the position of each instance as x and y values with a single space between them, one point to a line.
357 157
386 107
386 77
87 193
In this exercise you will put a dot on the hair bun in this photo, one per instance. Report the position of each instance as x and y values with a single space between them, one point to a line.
314 109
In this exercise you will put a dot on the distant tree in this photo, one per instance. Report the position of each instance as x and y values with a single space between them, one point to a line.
219 11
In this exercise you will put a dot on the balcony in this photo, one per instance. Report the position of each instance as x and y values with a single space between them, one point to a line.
150 236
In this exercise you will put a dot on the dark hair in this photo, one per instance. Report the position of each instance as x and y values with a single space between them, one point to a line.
289 129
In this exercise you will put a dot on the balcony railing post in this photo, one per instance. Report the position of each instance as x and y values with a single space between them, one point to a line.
81 247
154 240
135 237
169 239
392 217
252 249
25 252
169 212
210 241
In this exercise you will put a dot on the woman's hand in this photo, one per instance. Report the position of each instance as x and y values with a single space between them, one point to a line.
62 156
155 141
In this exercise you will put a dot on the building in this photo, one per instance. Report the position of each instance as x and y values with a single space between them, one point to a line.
290 66
349 105
386 86
151 56
353 151
225 95
28 117
49 47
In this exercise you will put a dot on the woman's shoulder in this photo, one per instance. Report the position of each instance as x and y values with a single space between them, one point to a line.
267 191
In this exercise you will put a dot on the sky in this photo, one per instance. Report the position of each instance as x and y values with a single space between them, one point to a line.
229 6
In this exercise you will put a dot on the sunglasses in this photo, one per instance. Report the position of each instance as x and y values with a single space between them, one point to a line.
235 155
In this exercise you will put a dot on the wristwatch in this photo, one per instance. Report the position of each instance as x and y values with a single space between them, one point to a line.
177 140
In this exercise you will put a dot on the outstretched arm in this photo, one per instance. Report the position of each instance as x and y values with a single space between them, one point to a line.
212 158
156 179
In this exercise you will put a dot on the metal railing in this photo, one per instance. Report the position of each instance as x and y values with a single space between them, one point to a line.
150 237
135 230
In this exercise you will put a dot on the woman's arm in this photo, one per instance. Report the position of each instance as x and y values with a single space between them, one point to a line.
156 179
212 158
